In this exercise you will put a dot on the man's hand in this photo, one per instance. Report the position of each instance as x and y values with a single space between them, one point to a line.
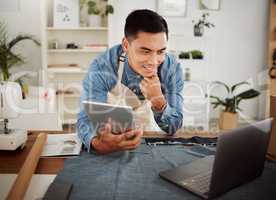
106 142
151 89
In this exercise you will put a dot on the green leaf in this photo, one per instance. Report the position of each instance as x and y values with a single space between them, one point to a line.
215 98
184 55
231 104
221 83
15 60
238 84
248 94
217 101
93 11
91 3
109 9
215 104
9 59
20 38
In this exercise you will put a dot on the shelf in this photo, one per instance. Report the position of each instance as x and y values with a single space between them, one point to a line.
78 29
191 61
74 51
67 70
64 69
69 121
68 95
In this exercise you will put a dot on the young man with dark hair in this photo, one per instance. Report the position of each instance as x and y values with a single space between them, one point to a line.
138 73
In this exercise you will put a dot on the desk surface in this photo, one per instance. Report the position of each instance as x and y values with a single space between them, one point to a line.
11 161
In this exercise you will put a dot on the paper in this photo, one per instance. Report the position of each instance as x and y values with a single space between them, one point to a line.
62 145
36 190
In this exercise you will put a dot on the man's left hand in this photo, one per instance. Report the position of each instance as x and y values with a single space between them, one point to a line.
151 89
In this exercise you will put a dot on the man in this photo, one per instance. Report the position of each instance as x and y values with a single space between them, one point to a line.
142 68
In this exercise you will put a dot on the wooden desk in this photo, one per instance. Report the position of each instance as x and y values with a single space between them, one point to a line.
11 161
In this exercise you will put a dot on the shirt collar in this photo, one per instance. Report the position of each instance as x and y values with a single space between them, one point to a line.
130 73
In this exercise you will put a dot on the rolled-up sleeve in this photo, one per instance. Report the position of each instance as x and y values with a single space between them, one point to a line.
170 120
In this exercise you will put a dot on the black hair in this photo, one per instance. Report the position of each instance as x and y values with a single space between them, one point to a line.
144 20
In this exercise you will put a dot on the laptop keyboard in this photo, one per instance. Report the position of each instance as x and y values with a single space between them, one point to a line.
199 183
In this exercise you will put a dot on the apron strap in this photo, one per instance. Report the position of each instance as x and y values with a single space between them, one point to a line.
131 98
121 62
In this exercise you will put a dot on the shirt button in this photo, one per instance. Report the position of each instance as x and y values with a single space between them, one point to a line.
134 90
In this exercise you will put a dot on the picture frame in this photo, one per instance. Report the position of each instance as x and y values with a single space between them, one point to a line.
66 13
209 4
172 8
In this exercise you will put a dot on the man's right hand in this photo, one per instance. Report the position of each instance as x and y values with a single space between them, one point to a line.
106 142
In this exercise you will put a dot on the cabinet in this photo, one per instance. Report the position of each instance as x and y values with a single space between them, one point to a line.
68 52
271 49
272 143
271 98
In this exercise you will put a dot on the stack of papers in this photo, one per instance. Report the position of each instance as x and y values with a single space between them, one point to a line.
62 145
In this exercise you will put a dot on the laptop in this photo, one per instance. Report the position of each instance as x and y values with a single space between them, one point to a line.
239 158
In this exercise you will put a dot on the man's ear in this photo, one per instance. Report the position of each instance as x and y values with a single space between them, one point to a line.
125 44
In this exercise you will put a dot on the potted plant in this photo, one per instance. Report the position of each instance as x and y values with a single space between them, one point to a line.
197 54
97 11
194 54
229 117
184 55
8 58
199 26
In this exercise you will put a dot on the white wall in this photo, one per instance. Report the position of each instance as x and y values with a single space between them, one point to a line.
240 48
117 20
26 20
235 49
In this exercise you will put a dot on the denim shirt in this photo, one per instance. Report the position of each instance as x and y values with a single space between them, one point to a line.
102 77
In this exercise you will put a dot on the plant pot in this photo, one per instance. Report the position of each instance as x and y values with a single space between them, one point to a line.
228 121
105 21
95 20
198 30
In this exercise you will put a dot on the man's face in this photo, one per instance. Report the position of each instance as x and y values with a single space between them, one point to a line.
146 52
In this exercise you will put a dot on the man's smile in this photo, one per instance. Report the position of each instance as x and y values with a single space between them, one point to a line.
150 69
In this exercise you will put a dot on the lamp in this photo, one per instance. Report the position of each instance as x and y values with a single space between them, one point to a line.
10 99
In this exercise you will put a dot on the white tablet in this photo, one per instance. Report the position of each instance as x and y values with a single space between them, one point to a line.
99 113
